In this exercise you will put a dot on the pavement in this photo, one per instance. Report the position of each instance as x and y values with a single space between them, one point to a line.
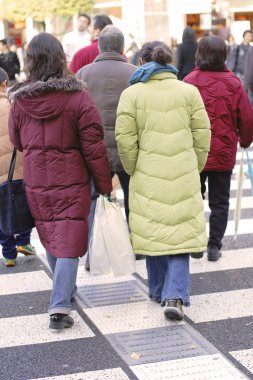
119 333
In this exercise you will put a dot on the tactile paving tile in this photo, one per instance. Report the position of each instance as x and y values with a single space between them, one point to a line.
128 317
106 374
209 367
160 344
245 357
112 294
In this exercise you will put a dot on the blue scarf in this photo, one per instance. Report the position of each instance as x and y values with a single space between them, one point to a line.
144 72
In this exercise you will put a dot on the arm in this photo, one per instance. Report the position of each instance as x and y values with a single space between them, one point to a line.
200 127
92 145
14 130
232 58
16 63
248 70
126 133
245 120
179 62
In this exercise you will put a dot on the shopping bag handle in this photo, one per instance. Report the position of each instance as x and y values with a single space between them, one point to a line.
12 165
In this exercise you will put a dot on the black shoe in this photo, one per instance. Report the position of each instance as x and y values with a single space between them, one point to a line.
60 321
213 253
197 255
174 310
87 267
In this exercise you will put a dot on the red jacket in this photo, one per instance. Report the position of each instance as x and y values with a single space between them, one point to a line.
230 113
84 56
57 126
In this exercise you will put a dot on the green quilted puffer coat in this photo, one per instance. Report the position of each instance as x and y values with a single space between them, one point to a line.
163 136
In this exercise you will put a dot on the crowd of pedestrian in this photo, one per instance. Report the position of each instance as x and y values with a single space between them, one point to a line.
84 114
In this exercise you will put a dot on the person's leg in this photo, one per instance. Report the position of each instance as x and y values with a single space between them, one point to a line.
219 194
156 269
175 291
23 243
203 176
8 249
124 179
94 197
64 283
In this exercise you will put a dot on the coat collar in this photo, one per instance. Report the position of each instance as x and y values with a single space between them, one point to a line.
39 88
110 56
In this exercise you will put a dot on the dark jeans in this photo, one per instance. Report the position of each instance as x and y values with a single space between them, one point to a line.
124 179
9 243
218 198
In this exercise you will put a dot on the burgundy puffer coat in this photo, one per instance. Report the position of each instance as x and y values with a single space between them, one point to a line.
230 113
57 126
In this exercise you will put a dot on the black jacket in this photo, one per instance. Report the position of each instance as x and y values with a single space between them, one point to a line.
186 58
10 63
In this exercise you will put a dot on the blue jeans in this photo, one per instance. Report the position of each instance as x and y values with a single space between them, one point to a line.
64 283
9 243
169 277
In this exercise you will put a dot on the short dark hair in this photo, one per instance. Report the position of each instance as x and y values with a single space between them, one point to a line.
3 75
211 54
189 35
84 15
111 39
45 58
156 51
247 31
100 21
4 42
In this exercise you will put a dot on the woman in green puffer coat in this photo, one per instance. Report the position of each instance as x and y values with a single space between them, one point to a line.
163 137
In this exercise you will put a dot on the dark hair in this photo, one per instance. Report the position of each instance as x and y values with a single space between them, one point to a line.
111 39
189 35
4 42
100 21
247 31
156 51
211 54
84 15
3 76
45 58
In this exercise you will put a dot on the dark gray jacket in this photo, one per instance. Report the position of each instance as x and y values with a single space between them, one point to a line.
106 78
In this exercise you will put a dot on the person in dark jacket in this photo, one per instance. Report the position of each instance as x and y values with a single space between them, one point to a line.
9 61
186 52
87 54
55 123
248 73
106 78
231 117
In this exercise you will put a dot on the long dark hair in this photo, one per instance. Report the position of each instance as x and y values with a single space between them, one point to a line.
45 58
211 54
189 35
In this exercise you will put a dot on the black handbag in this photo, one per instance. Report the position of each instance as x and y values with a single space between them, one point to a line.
15 216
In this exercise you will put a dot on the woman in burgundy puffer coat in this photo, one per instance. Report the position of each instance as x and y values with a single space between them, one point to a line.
56 124
231 116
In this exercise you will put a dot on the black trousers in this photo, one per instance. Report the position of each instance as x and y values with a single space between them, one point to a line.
218 198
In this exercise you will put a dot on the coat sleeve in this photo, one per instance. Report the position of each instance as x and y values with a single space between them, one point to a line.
180 63
245 120
248 72
14 129
126 133
92 145
200 127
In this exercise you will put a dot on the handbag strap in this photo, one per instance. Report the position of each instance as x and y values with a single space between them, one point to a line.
12 165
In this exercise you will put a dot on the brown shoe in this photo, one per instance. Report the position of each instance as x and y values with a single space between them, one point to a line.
174 310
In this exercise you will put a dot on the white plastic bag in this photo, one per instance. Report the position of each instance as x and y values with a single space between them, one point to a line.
117 239
99 263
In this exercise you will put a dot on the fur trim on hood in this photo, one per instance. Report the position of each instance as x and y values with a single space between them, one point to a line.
39 88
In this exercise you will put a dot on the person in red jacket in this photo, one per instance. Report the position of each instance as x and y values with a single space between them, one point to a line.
231 117
87 54
55 123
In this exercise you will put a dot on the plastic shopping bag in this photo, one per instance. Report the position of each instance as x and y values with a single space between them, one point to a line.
117 239
99 263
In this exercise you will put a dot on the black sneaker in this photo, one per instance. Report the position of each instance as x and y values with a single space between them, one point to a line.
213 253
197 255
60 321
174 310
